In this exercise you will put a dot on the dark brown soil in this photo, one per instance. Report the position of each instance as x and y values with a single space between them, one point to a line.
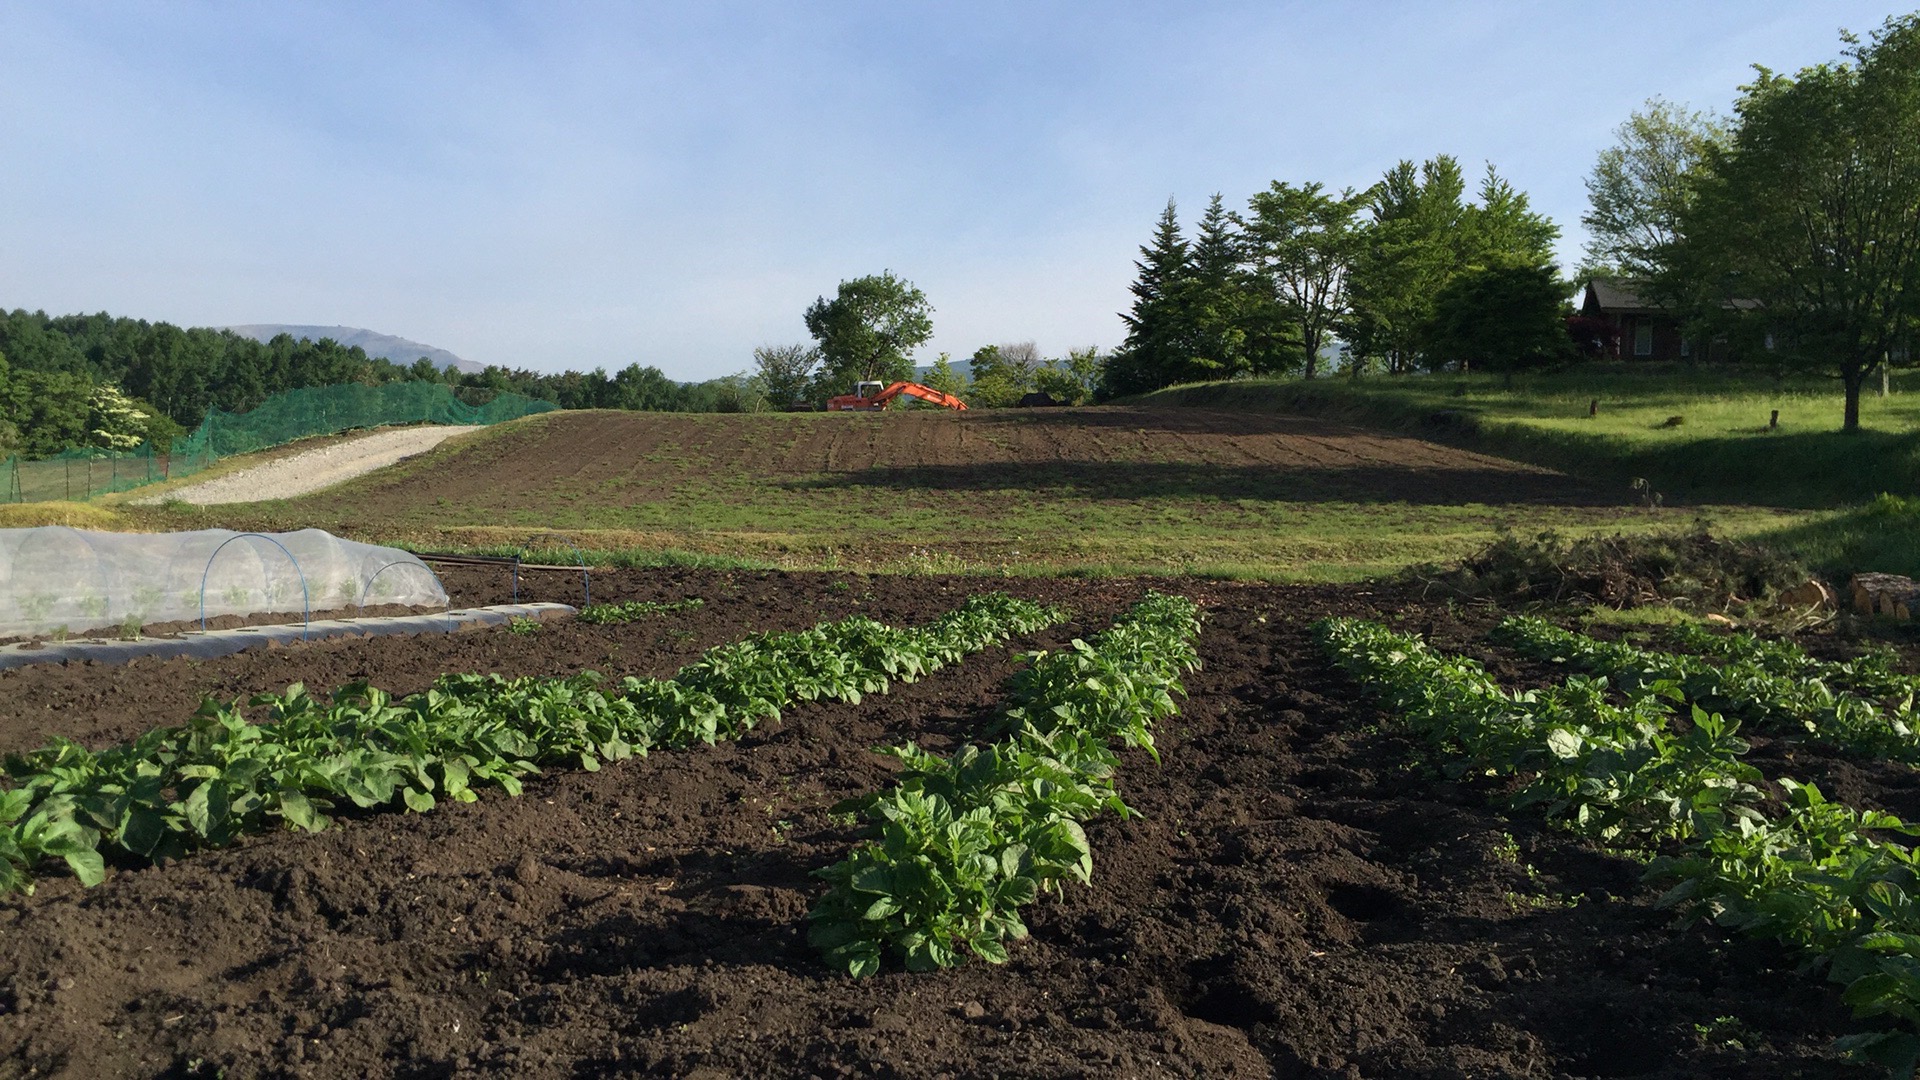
627 459
1301 897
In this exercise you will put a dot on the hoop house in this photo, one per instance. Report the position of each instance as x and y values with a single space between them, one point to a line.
59 579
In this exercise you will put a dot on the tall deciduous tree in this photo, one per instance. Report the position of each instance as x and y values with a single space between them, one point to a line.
868 332
1302 243
784 372
1503 318
1812 210
1413 246
1002 374
9 434
1423 236
1640 187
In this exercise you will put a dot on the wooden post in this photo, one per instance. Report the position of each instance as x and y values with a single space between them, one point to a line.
1774 420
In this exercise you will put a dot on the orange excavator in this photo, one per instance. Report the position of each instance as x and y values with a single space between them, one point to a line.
868 396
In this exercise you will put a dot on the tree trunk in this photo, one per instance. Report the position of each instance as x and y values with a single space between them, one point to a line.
1851 377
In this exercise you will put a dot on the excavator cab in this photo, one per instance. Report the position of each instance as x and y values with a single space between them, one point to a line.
868 389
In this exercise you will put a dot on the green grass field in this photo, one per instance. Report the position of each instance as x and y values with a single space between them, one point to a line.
1720 450
1848 502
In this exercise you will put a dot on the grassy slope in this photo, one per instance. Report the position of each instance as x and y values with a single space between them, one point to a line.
1721 452
686 503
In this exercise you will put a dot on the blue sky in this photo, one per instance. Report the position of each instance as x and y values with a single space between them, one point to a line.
554 185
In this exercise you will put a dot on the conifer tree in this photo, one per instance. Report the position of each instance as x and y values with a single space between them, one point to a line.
1154 328
1214 303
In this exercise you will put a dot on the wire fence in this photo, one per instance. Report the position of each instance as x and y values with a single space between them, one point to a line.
82 473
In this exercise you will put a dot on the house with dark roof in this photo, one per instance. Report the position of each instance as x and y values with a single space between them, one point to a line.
1641 329
1631 327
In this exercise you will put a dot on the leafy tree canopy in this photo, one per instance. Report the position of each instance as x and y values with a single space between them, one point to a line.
785 372
868 332
1805 225
1502 318
945 378
1640 187
1301 244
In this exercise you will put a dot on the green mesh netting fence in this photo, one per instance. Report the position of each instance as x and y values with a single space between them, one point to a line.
296 414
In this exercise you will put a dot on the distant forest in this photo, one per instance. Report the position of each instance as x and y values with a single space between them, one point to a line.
59 374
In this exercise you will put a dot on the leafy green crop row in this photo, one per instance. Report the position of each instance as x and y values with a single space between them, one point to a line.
635 610
1819 875
1621 774
1750 684
960 844
1870 674
220 776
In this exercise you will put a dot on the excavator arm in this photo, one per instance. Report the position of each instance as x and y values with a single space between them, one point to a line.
924 393
856 403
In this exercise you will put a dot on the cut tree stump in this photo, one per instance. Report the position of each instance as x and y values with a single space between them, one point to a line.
1810 593
1886 594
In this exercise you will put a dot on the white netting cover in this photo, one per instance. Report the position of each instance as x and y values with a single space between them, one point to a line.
56 578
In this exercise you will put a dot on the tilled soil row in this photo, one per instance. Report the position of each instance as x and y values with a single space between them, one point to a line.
1301 895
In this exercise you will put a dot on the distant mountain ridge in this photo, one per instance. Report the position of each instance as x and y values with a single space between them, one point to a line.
373 343
962 368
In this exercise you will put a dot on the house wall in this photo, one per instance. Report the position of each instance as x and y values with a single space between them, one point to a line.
1666 337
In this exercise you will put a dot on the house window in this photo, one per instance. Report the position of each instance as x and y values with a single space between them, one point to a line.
1643 339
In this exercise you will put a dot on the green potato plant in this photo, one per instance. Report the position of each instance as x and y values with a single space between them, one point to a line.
221 775
1819 875
1760 682
959 844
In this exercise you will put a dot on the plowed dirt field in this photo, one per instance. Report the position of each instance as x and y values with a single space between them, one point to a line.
1101 490
1301 897
1124 453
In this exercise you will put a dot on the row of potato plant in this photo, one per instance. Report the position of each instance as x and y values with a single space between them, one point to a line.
220 775
961 843
1871 673
1817 874
1761 685
1621 773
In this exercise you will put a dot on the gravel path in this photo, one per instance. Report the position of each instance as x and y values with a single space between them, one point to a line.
314 469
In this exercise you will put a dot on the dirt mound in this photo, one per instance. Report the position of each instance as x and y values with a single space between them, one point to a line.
1301 896
627 459
1695 568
